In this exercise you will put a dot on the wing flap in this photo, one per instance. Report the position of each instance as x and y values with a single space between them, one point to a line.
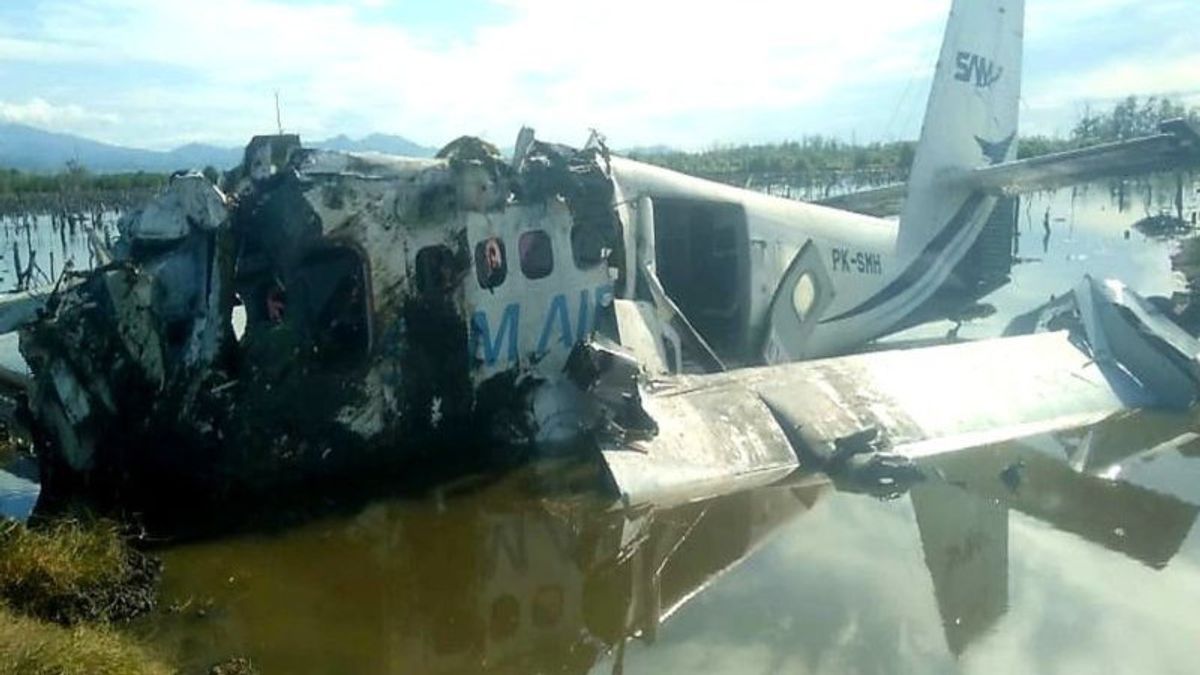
714 438
941 399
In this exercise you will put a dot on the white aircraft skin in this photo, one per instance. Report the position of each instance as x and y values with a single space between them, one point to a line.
871 273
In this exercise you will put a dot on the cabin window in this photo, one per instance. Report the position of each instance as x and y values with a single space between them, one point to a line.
537 254
506 617
436 270
331 284
804 295
588 246
491 264
547 606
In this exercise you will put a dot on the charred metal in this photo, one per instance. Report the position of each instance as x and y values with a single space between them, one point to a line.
321 312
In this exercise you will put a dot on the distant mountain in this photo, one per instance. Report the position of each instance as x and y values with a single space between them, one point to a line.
31 149
385 143
199 155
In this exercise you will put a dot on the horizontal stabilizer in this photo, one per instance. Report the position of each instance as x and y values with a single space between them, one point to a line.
1175 148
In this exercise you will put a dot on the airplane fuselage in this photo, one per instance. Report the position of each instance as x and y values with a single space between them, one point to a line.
396 304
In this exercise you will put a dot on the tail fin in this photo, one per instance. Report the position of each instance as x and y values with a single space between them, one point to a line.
971 121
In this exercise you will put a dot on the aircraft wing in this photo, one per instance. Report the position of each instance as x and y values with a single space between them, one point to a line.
1176 147
747 428
881 201
724 432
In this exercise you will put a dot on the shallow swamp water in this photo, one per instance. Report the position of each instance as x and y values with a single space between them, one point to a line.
1072 552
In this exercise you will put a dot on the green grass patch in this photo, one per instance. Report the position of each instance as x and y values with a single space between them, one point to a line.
31 647
71 570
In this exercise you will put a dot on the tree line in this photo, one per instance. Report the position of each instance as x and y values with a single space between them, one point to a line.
76 178
817 158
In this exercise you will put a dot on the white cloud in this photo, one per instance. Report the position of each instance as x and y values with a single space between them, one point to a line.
644 71
1167 74
626 65
40 112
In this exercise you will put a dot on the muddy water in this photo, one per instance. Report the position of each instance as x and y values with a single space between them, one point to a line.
1076 552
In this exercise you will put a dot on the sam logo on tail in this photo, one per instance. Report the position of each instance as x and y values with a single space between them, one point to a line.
975 68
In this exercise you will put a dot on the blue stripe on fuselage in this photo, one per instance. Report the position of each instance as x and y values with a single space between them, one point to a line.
924 263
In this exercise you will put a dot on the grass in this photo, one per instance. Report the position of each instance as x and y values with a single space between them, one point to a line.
55 577
64 558
31 647
68 571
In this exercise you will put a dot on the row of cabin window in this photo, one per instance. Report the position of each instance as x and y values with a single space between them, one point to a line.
535 251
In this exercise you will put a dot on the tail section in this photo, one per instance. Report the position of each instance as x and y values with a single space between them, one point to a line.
971 121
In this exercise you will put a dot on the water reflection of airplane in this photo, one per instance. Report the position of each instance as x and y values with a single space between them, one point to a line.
501 582
963 516
488 582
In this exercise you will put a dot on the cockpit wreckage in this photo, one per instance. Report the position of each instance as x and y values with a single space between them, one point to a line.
363 332
325 313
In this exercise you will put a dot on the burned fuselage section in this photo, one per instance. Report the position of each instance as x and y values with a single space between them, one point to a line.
332 311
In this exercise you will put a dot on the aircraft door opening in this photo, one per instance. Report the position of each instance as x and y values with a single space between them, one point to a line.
799 302
703 261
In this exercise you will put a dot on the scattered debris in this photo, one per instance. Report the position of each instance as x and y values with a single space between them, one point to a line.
236 666
1129 336
1163 226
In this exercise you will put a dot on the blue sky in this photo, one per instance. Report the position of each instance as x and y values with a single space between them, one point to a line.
158 74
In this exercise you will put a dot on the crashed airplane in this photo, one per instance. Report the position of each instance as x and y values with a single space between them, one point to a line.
333 313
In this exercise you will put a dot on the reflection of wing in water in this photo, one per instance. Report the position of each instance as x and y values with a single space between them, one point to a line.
492 581
1143 524
963 513
965 539
1128 436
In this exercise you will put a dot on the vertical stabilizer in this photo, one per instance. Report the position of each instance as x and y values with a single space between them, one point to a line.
971 121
